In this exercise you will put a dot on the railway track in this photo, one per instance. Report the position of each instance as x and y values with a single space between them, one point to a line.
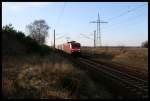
133 86
128 69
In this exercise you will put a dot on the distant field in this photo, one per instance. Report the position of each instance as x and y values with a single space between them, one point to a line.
136 58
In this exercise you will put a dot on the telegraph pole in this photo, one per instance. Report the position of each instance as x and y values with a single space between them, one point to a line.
94 38
51 44
98 36
54 38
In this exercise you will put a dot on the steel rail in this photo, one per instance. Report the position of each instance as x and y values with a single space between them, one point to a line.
134 83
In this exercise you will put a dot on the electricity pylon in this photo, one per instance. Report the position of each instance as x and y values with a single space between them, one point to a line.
98 34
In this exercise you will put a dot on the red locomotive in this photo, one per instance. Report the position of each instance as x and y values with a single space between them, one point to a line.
72 47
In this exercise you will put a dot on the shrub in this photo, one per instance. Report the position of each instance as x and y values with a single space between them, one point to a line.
14 42
145 44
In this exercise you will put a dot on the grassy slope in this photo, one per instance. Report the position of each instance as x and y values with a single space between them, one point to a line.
28 73
33 71
38 77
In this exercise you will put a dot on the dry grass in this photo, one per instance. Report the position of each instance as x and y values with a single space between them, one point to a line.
50 77
32 76
39 77
136 58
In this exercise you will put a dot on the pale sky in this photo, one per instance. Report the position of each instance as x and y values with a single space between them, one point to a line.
127 21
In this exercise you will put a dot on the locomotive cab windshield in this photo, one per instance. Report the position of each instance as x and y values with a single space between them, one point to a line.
76 45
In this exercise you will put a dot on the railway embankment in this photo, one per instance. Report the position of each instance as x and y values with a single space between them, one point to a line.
37 71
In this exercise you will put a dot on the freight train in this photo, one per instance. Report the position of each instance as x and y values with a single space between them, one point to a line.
71 47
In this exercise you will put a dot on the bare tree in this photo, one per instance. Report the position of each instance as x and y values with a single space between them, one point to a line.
38 30
145 44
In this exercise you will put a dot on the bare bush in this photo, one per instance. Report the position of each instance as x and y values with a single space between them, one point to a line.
145 44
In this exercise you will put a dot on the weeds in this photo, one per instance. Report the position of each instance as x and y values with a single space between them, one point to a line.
40 78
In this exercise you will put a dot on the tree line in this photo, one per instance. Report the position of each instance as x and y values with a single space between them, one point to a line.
38 31
33 43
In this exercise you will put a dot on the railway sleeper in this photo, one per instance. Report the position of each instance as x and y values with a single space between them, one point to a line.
126 93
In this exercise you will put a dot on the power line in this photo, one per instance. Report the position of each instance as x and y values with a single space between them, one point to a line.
62 11
128 11
136 17
128 19
54 38
86 36
59 21
90 38
59 34
61 37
